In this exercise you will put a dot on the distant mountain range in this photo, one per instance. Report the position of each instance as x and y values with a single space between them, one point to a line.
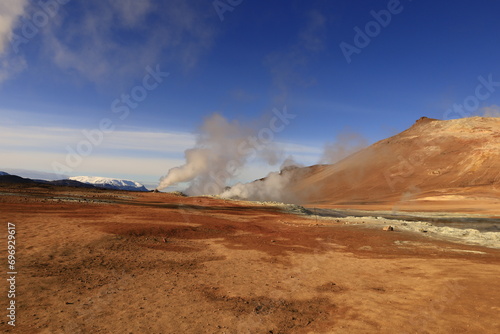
78 181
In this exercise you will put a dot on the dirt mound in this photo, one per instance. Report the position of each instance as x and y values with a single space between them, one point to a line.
424 119
433 161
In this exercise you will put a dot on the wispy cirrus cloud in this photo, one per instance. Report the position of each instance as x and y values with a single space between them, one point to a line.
55 138
143 169
110 41
143 153
107 41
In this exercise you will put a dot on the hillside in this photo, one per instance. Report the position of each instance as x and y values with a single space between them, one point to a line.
14 179
434 162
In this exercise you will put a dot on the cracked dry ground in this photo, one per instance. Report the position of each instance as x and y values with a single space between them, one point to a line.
157 263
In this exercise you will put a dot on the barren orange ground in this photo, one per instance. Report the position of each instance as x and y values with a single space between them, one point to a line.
92 261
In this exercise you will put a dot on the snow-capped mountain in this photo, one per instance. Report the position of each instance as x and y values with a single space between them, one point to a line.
110 183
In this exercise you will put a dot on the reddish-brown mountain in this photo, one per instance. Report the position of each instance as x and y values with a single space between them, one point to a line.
433 165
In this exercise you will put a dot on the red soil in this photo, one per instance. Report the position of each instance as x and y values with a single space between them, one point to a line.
158 263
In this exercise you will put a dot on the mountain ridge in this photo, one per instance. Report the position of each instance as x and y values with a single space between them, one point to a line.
431 159
79 181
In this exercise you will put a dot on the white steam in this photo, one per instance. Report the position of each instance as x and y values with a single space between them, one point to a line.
491 111
346 143
222 149
274 187
279 186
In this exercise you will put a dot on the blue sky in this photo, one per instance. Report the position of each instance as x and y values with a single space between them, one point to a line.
63 66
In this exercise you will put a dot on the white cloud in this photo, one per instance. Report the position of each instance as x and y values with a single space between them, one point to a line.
150 141
121 153
10 11
56 139
149 169
140 155
10 65
32 174
113 40
132 12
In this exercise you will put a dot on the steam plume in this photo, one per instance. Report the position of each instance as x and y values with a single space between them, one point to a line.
278 186
491 111
274 187
346 143
222 149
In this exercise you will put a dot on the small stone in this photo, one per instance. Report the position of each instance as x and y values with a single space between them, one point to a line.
388 228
